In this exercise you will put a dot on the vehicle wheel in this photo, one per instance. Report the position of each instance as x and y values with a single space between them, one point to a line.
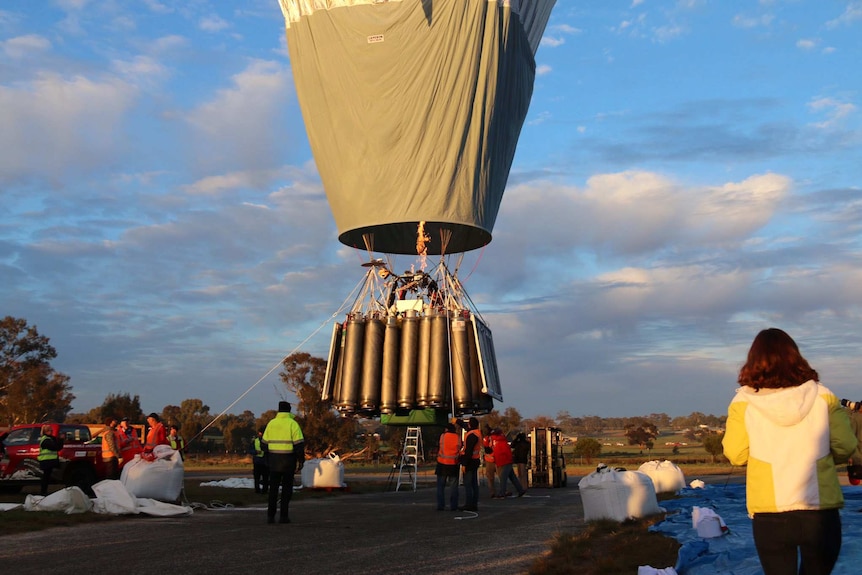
83 477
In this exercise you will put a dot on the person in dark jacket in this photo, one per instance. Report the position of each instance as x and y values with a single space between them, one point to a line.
470 454
49 456
259 458
521 457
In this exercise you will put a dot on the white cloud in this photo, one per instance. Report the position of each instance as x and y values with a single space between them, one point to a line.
806 44
543 69
759 21
836 111
213 24
54 124
140 69
239 126
552 42
157 7
22 46
851 14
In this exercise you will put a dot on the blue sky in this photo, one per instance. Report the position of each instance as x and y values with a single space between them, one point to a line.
689 173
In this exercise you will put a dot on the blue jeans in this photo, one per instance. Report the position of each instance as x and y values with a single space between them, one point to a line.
471 486
441 492
507 474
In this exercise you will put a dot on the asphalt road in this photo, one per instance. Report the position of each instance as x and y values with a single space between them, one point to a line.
357 534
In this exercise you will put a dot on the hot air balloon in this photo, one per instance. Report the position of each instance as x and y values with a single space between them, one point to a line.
413 110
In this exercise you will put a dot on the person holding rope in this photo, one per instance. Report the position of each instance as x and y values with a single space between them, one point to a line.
286 445
790 431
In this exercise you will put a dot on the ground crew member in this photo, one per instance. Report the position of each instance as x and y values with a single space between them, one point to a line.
176 441
128 440
448 451
470 461
286 445
490 462
156 435
111 449
259 458
49 456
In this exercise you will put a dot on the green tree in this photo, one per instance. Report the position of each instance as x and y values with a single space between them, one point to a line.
712 444
588 448
30 389
192 417
593 424
511 420
117 406
323 429
265 417
238 431
642 435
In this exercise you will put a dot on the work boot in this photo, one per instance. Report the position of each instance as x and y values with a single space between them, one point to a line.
270 519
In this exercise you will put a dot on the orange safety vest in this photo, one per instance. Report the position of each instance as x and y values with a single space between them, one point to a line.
478 447
107 452
486 442
450 447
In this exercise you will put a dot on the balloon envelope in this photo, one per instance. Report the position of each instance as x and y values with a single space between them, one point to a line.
413 111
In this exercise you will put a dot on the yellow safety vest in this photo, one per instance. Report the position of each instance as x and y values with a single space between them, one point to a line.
282 433
44 453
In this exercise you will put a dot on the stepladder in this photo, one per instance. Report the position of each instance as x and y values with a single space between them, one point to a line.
411 453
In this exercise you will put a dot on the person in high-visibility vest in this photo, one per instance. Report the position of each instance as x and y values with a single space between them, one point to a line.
286 444
259 457
111 454
470 453
448 451
176 441
49 456
156 435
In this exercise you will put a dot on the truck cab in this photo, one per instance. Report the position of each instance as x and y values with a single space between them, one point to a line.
81 461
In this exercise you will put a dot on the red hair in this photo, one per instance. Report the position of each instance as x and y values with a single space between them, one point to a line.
774 362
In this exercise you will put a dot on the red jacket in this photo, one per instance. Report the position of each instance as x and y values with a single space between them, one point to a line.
156 436
502 451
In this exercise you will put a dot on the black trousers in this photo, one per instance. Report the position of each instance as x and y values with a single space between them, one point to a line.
261 477
112 468
47 467
281 471
782 538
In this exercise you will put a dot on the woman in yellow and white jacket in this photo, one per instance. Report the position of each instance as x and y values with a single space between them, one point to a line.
791 431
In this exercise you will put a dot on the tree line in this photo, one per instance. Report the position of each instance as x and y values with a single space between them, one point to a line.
32 391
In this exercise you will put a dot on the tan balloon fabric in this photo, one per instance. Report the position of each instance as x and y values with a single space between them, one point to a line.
413 111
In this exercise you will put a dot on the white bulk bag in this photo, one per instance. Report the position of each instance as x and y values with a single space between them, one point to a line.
69 500
325 472
617 495
666 475
161 479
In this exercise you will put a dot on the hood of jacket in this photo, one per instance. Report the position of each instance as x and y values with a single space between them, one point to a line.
785 406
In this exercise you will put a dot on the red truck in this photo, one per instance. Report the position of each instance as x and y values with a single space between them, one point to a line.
81 461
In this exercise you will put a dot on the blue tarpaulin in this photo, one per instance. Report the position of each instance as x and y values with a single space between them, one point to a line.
734 553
